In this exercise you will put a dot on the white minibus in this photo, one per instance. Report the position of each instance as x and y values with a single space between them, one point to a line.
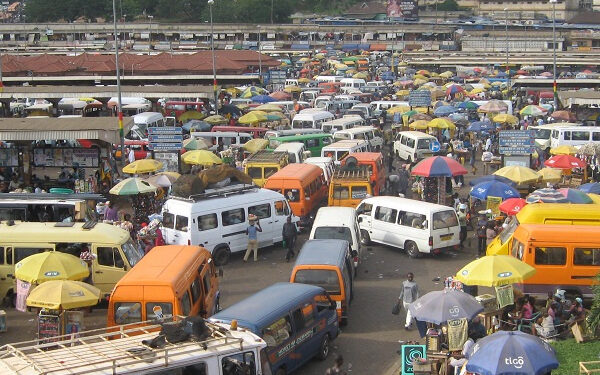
574 136
310 119
346 122
338 150
368 133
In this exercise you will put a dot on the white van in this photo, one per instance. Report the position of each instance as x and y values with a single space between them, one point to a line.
288 105
352 84
338 150
218 218
285 132
379 105
135 108
543 132
145 120
309 96
415 226
346 122
338 223
413 145
311 119
292 82
574 136
368 133
236 101
329 78
325 163
229 139
296 150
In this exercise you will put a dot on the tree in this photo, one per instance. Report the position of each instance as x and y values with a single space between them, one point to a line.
448 6
593 319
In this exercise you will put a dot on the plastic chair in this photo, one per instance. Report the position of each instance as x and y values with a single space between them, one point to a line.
528 323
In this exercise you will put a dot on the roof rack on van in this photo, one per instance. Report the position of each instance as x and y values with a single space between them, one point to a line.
267 156
357 173
107 349
220 192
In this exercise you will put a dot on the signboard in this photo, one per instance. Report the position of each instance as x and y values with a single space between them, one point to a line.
434 146
164 130
517 142
493 204
277 76
520 160
170 160
49 327
167 138
402 9
165 146
66 157
9 157
409 353
419 98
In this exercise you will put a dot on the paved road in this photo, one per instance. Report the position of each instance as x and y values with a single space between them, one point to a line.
370 340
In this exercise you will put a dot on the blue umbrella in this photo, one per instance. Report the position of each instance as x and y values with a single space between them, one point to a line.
444 110
262 99
495 189
511 353
467 105
480 126
576 196
491 177
197 125
591 187
442 305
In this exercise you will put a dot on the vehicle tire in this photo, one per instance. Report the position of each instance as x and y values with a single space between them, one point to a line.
280 371
397 154
221 255
324 348
364 238
344 321
412 249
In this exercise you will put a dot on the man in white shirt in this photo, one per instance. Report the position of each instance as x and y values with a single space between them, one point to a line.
131 156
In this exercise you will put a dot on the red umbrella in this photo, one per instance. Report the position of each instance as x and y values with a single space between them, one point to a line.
512 206
565 162
563 115
438 166
280 95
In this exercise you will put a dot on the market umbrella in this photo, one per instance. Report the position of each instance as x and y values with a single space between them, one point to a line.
493 106
512 206
533 110
262 99
255 145
268 108
253 117
591 187
252 91
491 177
505 118
550 174
494 270
563 115
280 95
230 109
191 115
195 144
132 186
480 126
201 157
454 89
143 166
546 195
419 125
438 166
518 174
439 306
469 105
576 196
172 175
292 89
565 162
441 123
63 294
444 110
51 265
511 353
160 180
411 113
482 190
421 116
216 119
563 150
589 149
196 125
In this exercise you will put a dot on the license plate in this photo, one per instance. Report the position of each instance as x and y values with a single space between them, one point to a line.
446 237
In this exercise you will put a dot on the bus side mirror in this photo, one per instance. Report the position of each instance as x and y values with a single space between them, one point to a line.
354 253
360 219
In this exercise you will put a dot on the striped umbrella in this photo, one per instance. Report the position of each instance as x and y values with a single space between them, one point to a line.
438 166
495 189
576 196
546 195
533 110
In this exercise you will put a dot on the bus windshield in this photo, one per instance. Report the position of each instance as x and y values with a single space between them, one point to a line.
132 252
542 133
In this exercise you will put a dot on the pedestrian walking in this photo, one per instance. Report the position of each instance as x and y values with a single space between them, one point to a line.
462 220
408 294
403 183
252 233
336 369
289 234
481 235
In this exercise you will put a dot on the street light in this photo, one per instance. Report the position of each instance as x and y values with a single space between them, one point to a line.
259 58
506 41
212 49
119 109
554 88
150 35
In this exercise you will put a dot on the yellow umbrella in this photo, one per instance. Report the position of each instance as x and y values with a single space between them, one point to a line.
418 82
292 89
505 118
419 125
476 90
303 80
216 119
253 117
550 174
268 108
51 265
402 92
233 91
143 166
494 270
441 123
419 76
63 294
446 74
518 174
201 157
563 150
255 145
398 109
304 59
341 66
191 115
360 75
174 175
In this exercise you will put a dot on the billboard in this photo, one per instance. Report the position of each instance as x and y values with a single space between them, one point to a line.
402 9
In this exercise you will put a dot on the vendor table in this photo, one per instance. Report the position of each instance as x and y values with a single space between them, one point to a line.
488 166
488 317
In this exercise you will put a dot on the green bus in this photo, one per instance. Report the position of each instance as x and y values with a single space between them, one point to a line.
312 142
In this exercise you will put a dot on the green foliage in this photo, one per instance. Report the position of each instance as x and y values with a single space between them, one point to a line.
569 353
593 319
448 6
40 10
